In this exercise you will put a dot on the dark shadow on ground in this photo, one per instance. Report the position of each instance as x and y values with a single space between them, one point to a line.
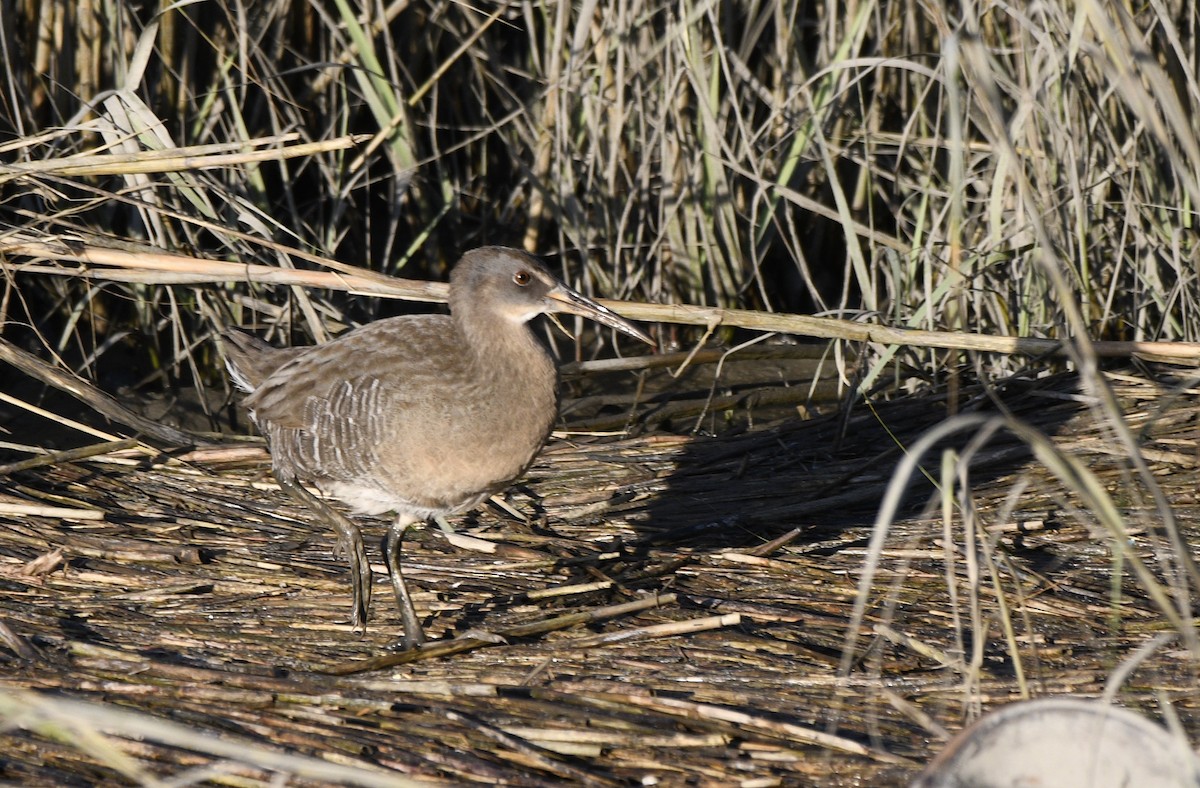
830 472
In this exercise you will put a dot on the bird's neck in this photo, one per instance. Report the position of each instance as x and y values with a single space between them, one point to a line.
502 351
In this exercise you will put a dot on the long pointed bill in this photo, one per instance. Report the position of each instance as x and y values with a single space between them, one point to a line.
564 299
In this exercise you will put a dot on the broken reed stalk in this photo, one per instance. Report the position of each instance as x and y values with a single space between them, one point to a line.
88 394
195 157
469 642
190 270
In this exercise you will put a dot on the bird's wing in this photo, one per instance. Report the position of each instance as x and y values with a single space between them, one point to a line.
329 412
380 366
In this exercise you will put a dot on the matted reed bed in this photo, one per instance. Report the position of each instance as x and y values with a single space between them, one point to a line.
673 609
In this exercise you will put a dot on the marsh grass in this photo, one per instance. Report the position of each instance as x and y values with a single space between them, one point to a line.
997 174
1023 172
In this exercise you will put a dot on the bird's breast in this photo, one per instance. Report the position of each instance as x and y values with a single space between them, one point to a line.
465 439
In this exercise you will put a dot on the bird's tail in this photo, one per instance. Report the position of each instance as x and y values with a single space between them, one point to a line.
249 360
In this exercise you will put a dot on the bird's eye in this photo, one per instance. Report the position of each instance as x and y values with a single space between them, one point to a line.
522 278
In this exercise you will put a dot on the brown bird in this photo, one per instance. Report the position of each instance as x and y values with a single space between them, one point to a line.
423 415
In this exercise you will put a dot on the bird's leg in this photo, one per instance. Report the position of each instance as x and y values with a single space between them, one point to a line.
350 542
414 635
